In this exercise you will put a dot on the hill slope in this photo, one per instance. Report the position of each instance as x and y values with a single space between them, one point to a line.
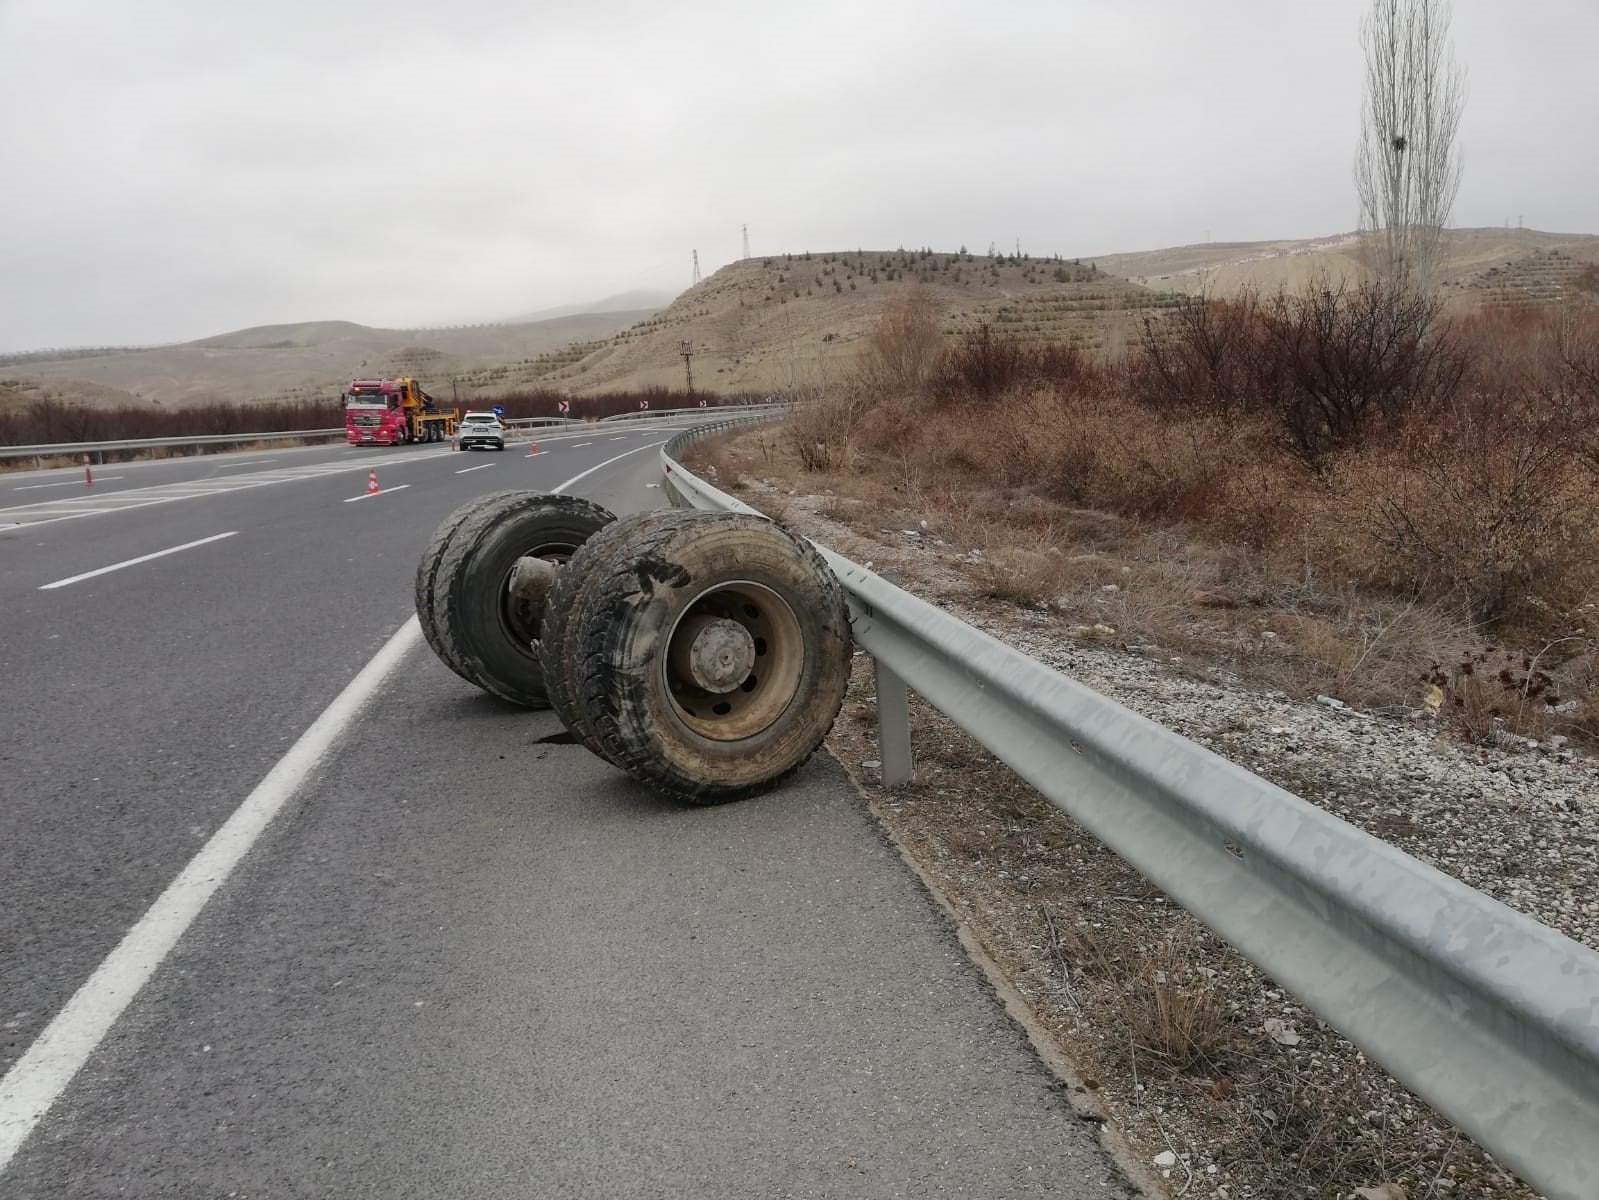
314 358
796 320
1479 265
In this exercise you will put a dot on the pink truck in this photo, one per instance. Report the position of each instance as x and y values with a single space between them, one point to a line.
387 412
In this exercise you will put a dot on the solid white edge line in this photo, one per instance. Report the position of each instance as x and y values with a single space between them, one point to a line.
559 488
399 487
216 537
39 1076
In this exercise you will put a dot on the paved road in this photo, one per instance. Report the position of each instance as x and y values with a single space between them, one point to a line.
467 959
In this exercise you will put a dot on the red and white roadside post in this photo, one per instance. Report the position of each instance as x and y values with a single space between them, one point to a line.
88 475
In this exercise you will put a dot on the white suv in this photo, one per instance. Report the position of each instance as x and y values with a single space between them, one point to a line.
480 429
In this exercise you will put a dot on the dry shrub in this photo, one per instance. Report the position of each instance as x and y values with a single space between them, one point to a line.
985 366
1487 501
906 340
1327 365
1020 574
822 430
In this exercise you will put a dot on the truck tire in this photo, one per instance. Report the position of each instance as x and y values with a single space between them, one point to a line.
485 633
560 640
715 656
427 567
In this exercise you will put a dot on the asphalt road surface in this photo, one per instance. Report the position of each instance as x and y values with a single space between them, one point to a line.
465 958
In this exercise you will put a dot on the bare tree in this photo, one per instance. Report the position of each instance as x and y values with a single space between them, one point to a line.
1407 170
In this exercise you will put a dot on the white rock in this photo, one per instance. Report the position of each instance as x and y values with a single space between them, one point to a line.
1165 1159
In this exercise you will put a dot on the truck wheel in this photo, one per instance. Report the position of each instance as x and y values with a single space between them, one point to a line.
715 656
560 639
427 567
486 629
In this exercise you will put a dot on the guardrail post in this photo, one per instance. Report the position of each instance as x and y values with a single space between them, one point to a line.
893 718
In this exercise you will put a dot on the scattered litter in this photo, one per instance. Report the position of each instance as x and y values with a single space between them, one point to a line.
1280 1031
1329 702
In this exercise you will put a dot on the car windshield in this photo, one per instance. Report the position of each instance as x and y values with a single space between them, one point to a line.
481 419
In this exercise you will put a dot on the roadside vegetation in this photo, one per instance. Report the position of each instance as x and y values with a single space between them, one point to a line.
1334 492
1332 535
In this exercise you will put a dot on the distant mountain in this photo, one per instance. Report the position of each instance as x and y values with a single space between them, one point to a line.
315 359
283 337
634 301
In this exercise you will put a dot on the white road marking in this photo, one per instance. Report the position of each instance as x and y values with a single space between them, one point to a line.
580 445
484 467
39 1077
67 483
606 463
381 492
617 439
216 537
249 462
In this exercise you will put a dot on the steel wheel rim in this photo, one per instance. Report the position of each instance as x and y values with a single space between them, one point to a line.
757 701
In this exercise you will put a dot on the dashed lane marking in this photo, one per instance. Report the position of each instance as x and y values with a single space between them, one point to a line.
143 558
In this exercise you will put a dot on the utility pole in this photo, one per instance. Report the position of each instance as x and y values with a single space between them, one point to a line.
696 266
746 241
686 349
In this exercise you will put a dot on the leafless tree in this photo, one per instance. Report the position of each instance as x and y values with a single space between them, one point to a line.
1407 170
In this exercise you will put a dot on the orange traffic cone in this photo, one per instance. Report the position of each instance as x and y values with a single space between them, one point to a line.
532 449
372 481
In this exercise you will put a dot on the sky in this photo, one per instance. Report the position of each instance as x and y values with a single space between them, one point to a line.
173 169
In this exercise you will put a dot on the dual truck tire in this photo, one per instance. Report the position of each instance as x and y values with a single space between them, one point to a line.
705 654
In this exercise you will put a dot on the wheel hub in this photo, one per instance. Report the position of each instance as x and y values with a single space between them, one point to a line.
716 653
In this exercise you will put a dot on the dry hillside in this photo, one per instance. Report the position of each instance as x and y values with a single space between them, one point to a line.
794 319
1493 265
767 324
294 362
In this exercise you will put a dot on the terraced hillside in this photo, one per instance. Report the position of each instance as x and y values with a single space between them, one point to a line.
1542 277
1468 256
796 319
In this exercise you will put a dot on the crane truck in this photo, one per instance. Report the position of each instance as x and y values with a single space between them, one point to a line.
387 412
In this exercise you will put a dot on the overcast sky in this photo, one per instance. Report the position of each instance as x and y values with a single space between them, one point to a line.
178 168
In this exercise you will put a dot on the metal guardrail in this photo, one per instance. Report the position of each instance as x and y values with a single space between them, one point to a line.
1489 1016
727 409
52 449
